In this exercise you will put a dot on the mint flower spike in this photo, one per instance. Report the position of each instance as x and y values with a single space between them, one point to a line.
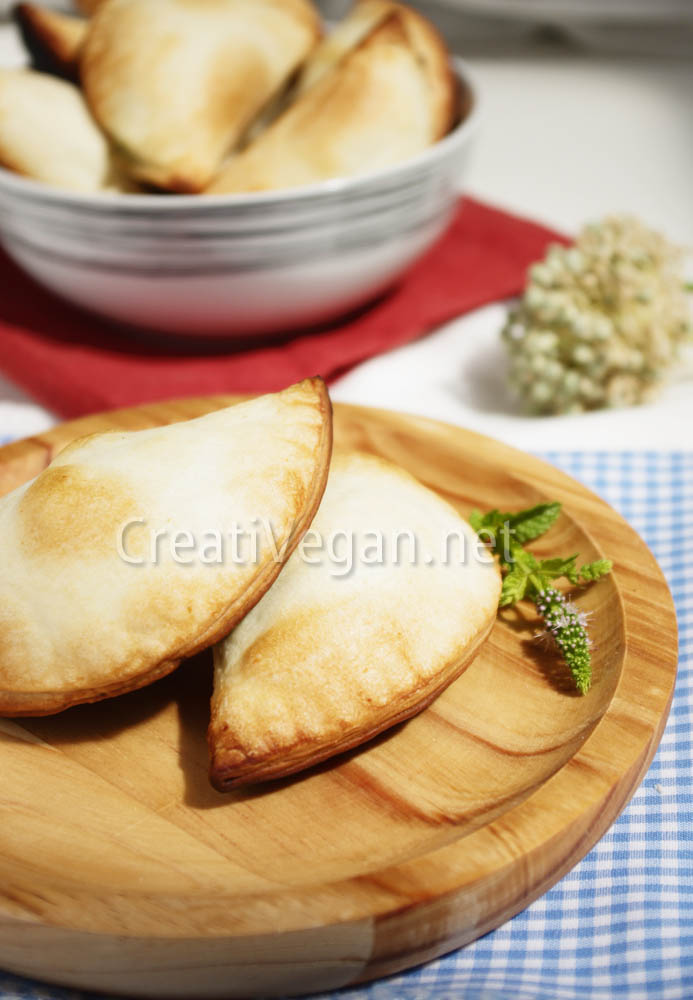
528 578
566 627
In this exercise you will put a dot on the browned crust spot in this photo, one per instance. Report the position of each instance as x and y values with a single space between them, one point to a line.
233 766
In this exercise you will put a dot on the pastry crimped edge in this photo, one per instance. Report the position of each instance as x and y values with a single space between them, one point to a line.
233 767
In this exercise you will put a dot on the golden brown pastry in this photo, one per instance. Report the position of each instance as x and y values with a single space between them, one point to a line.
175 83
384 101
330 656
429 47
47 133
119 559
364 16
54 40
362 19
88 7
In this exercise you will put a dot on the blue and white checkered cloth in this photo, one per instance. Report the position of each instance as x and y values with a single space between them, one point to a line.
620 924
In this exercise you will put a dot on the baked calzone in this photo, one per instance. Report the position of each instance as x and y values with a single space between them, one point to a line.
133 550
385 603
176 83
383 101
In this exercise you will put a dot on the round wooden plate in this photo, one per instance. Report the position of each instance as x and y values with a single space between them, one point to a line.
122 870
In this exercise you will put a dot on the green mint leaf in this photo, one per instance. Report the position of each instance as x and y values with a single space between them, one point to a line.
595 570
493 528
476 519
490 521
524 576
521 557
551 569
533 522
514 586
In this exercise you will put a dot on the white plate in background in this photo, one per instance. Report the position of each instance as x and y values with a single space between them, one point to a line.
561 11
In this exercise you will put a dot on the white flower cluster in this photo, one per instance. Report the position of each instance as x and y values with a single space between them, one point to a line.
601 322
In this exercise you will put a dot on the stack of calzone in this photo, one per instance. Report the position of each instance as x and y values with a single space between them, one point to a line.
225 96
117 565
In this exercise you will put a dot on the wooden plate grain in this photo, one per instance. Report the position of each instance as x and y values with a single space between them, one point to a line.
122 870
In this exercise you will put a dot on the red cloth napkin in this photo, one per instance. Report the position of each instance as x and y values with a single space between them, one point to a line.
76 364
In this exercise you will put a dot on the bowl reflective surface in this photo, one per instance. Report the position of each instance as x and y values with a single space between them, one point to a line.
237 265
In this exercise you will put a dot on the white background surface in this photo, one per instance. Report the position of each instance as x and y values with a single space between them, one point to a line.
568 136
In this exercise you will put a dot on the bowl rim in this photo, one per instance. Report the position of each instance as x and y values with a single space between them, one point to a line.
325 190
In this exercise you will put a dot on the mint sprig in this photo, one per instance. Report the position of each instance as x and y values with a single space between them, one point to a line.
526 577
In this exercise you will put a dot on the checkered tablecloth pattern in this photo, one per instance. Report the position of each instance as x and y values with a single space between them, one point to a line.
620 925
